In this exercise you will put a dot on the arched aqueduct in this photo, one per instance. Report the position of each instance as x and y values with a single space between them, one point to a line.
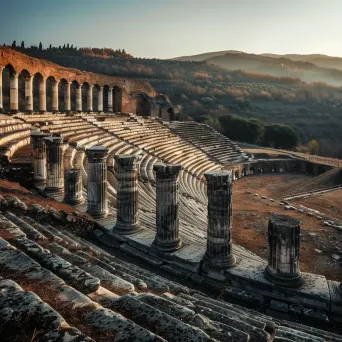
30 79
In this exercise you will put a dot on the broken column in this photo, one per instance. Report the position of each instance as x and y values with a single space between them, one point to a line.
90 99
127 211
73 187
38 157
219 253
54 96
167 197
14 100
54 164
28 94
42 95
110 100
283 251
97 182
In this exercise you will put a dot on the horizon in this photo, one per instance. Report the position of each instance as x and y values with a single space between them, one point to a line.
178 28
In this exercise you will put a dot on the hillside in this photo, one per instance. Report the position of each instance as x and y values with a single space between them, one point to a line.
203 89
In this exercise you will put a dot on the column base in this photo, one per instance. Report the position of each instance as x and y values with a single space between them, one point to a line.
28 111
167 247
54 190
74 202
126 229
39 181
14 111
67 111
218 264
79 111
97 216
291 281
42 111
55 111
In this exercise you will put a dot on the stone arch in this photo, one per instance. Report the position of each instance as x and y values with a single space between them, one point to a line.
117 99
24 99
8 72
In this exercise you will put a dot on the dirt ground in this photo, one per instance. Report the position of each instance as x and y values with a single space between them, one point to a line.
251 214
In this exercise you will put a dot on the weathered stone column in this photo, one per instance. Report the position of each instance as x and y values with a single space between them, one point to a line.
79 98
54 164
127 210
219 253
38 157
14 104
100 100
73 187
283 251
110 100
55 97
1 100
29 94
67 100
42 96
167 196
90 99
97 182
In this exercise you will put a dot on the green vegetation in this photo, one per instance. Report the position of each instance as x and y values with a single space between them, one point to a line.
206 92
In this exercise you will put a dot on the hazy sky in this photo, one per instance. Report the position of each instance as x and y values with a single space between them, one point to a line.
171 28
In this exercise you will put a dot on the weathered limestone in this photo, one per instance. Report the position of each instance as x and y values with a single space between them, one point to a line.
110 99
219 243
39 157
54 165
100 100
67 99
29 94
14 101
97 182
1 100
90 99
79 98
167 200
54 97
127 210
73 187
283 251
42 96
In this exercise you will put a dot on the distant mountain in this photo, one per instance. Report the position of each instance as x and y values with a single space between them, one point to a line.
309 68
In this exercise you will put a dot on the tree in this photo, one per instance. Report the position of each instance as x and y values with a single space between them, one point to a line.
50 47
313 146
280 136
242 129
22 46
68 47
14 44
72 46
64 47
40 46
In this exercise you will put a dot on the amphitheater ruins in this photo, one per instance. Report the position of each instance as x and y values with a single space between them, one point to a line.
126 231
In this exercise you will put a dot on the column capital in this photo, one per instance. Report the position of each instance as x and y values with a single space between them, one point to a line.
127 161
110 88
50 141
218 178
91 86
167 171
101 87
96 154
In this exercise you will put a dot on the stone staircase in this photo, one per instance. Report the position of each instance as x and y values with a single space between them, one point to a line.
55 286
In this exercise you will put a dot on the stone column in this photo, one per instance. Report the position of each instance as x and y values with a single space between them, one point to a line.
29 94
42 96
167 196
90 99
54 164
1 100
283 251
100 100
127 211
110 100
219 253
67 100
14 104
38 157
55 97
97 182
73 187
79 98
